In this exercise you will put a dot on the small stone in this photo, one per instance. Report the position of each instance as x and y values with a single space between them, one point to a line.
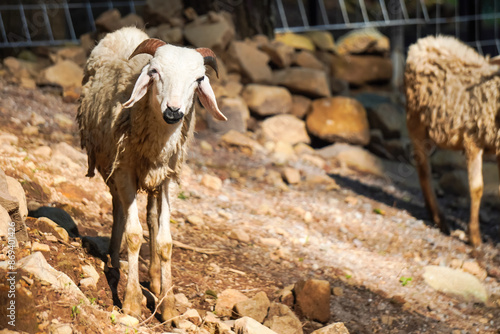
308 60
270 242
30 131
240 235
285 128
335 328
300 106
291 175
306 81
226 301
50 238
59 329
36 246
45 224
338 291
472 267
212 182
89 271
88 282
205 146
282 320
236 139
313 299
267 100
296 41
42 152
247 325
125 319
193 316
195 220
255 308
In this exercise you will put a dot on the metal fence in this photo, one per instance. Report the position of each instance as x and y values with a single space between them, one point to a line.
477 22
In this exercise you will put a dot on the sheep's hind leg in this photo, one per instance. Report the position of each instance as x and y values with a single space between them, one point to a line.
474 170
127 190
425 177
154 267
164 249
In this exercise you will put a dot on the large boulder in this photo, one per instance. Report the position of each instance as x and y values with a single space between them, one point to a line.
281 54
282 320
339 119
300 106
285 128
250 62
388 118
13 200
360 70
212 31
362 41
322 39
255 308
308 59
226 301
306 81
65 74
267 100
296 41
237 115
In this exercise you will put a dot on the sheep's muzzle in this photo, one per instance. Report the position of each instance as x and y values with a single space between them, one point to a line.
172 115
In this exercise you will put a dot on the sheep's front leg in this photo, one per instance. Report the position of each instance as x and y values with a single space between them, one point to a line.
475 173
164 249
127 190
154 267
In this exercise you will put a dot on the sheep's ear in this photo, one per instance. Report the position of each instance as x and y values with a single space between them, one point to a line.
207 98
140 88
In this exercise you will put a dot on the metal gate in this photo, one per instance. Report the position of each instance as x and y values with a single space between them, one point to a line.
477 22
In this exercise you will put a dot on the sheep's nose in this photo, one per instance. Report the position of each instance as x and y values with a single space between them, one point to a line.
172 115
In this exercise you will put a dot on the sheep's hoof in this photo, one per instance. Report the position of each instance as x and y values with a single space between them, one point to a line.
168 310
132 306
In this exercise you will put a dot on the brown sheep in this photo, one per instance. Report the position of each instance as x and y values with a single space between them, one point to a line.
453 101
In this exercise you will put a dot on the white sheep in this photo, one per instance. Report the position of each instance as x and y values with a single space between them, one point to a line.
453 101
135 118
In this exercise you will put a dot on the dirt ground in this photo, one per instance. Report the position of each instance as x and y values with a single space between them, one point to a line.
362 236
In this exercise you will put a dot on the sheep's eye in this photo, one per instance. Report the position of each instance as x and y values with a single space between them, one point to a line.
153 71
200 79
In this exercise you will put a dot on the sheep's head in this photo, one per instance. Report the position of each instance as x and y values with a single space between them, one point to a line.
174 74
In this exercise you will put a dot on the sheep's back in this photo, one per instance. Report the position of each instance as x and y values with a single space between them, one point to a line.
440 77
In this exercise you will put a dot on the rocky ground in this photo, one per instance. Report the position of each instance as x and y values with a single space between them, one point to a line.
240 226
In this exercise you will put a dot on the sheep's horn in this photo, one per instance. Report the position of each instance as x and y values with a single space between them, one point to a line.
209 58
148 46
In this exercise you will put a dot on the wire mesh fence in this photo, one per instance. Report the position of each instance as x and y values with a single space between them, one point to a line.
26 23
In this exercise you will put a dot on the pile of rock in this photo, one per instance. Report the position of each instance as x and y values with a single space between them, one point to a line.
13 209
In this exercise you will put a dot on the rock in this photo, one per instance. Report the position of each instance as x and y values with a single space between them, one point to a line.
158 11
368 40
295 41
125 319
44 224
65 73
226 301
267 100
274 179
109 21
270 242
300 106
59 216
212 182
10 202
252 63
339 119
182 303
240 235
306 81
64 121
282 320
286 296
307 59
236 139
291 175
281 54
335 328
171 35
88 283
255 308
455 283
247 325
89 271
237 114
195 220
60 329
193 316
473 268
313 299
71 152
285 128
4 223
387 118
455 182
42 152
76 54
360 70
323 40
211 31
38 247
132 20
283 152
8 138
36 265
29 131
354 157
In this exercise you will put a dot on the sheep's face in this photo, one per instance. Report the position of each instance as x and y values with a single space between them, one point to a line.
172 76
